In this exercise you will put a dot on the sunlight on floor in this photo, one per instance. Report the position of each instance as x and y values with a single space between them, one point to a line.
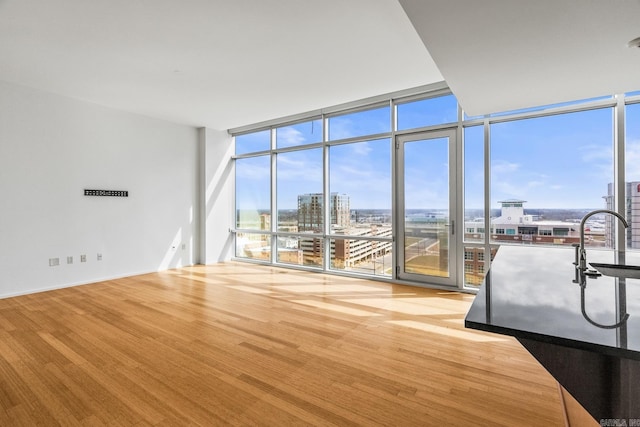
337 308
412 306
250 289
323 289
450 332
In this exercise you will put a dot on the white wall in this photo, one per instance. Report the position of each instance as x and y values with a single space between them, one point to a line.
217 184
51 149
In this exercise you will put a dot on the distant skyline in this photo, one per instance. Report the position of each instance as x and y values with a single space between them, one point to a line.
553 162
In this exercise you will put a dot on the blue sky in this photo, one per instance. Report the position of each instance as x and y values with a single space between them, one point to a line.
633 142
426 174
563 161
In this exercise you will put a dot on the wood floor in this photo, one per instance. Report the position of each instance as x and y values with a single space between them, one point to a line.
240 344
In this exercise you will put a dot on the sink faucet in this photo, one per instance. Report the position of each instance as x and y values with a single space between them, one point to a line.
582 264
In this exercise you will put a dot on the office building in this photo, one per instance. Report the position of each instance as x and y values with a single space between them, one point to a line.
311 211
514 226
632 214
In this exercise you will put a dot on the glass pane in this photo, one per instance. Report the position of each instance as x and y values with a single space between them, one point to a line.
427 112
474 184
632 170
254 246
476 264
550 106
307 251
299 134
426 196
299 184
369 122
547 173
363 256
253 193
253 142
360 182
474 270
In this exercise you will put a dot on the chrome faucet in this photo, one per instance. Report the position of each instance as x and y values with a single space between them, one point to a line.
582 263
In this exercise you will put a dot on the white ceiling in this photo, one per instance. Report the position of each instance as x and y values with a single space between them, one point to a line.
230 63
214 63
499 55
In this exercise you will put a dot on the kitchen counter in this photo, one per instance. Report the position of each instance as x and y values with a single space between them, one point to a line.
577 332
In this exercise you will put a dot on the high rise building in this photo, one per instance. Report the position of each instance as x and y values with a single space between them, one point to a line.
632 214
311 207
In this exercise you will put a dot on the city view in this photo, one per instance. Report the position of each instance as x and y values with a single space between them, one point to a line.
425 234
546 172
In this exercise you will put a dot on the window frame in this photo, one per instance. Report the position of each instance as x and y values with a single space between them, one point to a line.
617 102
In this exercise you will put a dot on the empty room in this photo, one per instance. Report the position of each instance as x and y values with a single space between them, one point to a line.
286 212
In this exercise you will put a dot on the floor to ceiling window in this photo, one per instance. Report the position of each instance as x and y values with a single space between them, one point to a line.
550 166
299 207
253 196
360 206
368 189
474 202
632 174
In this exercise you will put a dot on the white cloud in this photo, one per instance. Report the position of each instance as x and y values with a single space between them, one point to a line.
285 161
254 173
533 184
362 149
506 190
288 136
504 167
297 167
431 196
341 128
596 153
351 172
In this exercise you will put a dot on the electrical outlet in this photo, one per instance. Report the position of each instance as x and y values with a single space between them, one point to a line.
83 258
69 260
54 262
184 246
99 257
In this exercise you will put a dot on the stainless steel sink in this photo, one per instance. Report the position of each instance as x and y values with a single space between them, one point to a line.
617 270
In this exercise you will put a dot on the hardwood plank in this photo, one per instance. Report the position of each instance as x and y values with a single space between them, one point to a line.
244 344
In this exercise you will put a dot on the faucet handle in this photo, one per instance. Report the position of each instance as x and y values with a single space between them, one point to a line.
577 256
